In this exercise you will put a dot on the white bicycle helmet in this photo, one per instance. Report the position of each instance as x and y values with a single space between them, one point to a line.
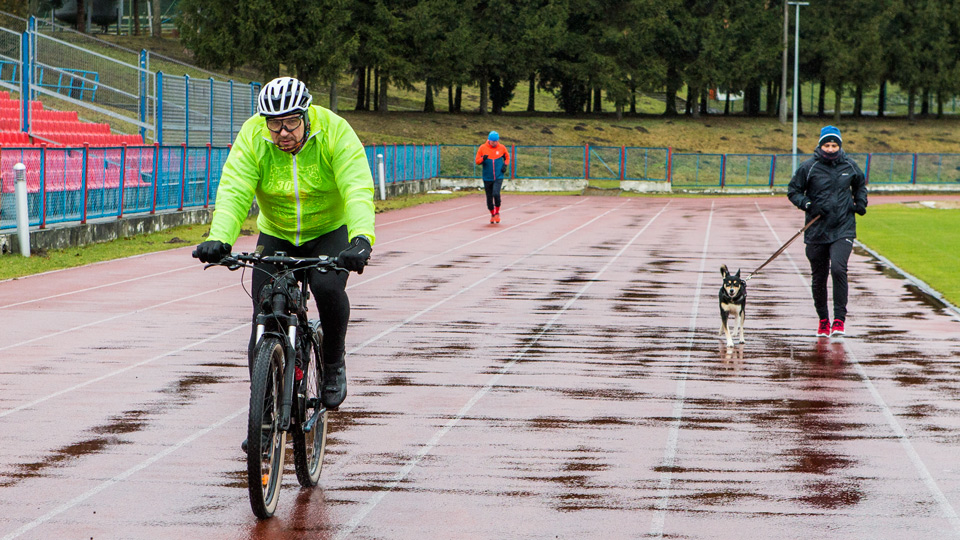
283 95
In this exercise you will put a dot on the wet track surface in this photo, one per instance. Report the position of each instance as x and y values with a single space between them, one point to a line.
558 375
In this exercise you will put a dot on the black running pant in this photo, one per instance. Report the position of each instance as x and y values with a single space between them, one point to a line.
493 193
328 288
830 259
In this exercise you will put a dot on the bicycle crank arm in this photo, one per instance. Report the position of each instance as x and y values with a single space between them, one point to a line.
308 427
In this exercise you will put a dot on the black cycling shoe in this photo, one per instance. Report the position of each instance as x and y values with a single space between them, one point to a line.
334 389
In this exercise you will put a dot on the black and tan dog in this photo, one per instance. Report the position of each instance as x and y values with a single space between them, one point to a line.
733 302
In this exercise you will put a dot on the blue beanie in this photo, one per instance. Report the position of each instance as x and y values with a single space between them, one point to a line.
494 136
829 134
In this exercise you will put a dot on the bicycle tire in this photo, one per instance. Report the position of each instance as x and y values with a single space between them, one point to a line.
265 465
309 448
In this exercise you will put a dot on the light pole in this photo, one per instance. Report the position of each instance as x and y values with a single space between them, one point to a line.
786 47
796 74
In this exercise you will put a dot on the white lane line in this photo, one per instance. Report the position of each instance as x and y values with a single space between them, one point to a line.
460 246
73 502
247 325
119 371
673 436
101 286
404 471
421 216
448 225
891 419
108 319
122 476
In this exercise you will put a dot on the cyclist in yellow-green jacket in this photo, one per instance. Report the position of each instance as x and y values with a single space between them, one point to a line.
310 176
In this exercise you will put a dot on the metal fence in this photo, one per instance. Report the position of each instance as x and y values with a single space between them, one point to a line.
160 97
695 171
79 184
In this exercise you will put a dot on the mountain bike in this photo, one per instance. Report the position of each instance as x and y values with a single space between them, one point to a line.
286 378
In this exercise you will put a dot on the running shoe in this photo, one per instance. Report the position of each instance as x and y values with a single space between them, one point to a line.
837 328
496 217
824 329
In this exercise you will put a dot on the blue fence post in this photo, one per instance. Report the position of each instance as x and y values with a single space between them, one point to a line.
123 165
210 110
231 110
156 175
206 192
43 185
25 72
83 182
183 174
186 109
913 170
159 127
670 165
143 92
723 172
773 168
253 99
866 174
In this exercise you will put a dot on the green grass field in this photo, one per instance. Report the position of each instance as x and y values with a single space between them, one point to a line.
922 241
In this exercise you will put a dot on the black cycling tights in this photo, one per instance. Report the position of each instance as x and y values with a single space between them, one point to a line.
829 259
328 288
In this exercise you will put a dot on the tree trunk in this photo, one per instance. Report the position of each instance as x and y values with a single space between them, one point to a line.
693 96
858 101
911 108
135 13
940 101
366 100
822 99
483 94
383 94
376 88
458 98
155 27
597 100
619 111
837 104
334 97
726 104
704 102
799 100
771 100
633 97
428 99
361 89
673 85
532 95
81 17
925 103
450 107
882 99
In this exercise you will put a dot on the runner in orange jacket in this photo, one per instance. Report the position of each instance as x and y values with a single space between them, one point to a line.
494 158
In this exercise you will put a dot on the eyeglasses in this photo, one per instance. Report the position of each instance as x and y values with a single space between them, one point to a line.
277 125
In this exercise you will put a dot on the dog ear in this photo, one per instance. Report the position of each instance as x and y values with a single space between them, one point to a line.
738 273
723 270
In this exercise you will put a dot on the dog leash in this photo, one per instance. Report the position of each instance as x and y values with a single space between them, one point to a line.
783 247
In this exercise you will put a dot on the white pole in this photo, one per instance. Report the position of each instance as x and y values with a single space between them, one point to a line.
23 218
381 173
796 75
786 48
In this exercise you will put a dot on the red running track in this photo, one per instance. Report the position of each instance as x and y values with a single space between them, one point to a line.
558 375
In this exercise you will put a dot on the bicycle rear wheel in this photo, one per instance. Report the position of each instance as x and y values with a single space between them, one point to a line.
266 443
309 446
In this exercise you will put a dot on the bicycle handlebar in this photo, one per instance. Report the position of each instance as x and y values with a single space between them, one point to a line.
236 260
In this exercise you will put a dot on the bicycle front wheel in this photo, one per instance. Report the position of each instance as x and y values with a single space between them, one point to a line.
309 446
266 443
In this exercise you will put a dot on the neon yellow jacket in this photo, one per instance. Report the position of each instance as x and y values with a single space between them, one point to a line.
303 196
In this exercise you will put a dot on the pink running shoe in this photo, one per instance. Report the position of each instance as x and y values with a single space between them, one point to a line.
837 328
824 329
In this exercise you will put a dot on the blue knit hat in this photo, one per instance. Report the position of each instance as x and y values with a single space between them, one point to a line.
494 136
829 134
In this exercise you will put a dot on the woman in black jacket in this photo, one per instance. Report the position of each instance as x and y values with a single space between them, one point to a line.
829 185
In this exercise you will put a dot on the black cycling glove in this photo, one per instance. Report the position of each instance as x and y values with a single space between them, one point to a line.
503 169
212 251
355 257
812 208
861 210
